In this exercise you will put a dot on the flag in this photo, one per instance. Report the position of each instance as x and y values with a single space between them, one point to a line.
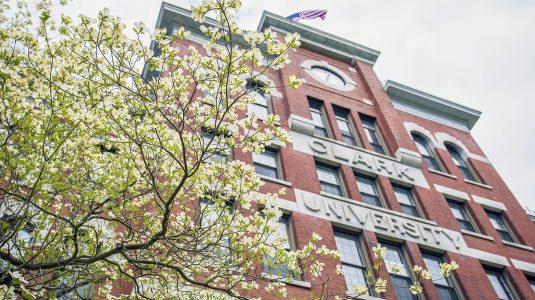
308 14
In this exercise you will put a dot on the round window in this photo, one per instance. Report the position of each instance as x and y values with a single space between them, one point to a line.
328 76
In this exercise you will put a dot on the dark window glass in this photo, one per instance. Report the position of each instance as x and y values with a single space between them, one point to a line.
316 110
461 163
368 190
402 280
344 124
329 181
459 212
372 135
498 282
427 152
351 258
406 201
500 226
444 285
531 280
266 163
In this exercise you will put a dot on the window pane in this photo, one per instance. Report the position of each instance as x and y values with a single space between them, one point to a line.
499 284
331 188
317 119
268 158
401 287
354 277
394 256
404 196
348 247
328 76
432 263
257 110
446 293
349 139
366 185
409 210
327 174
266 171
422 145
457 210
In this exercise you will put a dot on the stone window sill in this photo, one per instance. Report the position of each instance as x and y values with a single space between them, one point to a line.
478 184
363 297
442 173
517 245
478 235
276 180
300 283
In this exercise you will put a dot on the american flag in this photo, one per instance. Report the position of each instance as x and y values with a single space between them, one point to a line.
308 14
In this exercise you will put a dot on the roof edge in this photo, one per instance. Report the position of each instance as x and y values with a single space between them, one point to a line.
320 41
421 101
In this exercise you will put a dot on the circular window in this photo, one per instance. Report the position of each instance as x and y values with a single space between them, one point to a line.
328 76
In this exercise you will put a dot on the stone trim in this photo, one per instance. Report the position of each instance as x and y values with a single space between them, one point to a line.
486 186
442 173
478 235
524 266
444 138
452 193
517 245
488 258
275 180
300 283
490 204
409 157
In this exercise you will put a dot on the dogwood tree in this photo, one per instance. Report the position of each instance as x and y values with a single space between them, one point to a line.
118 186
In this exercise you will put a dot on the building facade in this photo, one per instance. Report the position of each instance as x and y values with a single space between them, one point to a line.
374 162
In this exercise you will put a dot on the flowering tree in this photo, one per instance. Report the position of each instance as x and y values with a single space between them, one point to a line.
120 186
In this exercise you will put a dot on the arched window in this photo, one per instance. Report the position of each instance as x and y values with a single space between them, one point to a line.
460 160
328 76
426 150
260 107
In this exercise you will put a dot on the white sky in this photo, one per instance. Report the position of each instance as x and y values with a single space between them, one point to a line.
480 53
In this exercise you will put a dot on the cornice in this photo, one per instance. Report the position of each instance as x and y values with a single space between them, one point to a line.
320 41
431 107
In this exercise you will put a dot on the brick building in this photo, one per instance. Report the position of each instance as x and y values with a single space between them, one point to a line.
385 163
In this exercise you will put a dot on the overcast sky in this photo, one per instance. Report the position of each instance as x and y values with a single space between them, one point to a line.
479 53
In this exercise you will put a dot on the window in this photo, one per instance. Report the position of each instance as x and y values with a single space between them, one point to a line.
500 226
461 163
266 163
329 181
427 152
499 283
531 281
406 201
444 286
402 280
217 147
270 265
316 109
351 259
371 133
209 216
260 108
328 76
344 124
459 212
368 190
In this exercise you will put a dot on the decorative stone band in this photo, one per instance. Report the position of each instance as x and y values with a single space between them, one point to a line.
390 224
359 159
